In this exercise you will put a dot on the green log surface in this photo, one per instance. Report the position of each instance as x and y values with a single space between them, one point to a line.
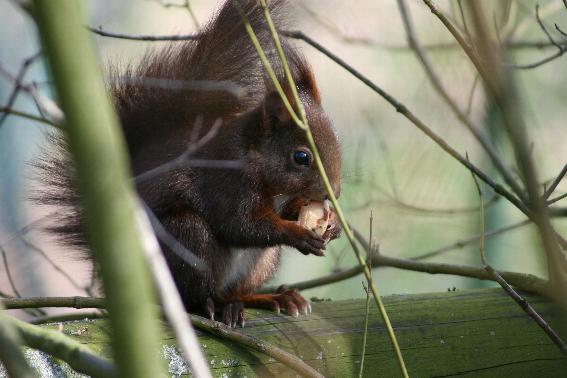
480 333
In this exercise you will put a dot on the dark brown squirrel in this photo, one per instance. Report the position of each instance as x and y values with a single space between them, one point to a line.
227 217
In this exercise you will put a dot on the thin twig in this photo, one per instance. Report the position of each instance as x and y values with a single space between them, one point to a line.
46 106
464 242
368 294
542 26
365 335
24 230
18 84
471 95
185 5
52 263
22 114
472 54
555 182
524 305
8 273
553 200
561 49
147 38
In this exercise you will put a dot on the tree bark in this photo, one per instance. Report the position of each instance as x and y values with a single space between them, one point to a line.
473 332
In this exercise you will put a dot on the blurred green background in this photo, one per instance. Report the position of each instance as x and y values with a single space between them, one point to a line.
420 197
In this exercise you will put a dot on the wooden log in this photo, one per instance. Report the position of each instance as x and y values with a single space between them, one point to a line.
465 333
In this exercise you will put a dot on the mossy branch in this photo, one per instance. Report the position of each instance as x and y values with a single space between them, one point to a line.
79 357
11 356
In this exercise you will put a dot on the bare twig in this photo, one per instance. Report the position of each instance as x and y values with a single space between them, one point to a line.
147 38
471 95
542 26
22 114
560 197
365 335
18 84
508 289
8 273
470 240
473 55
52 263
368 297
395 200
186 5
561 49
32 312
47 107
555 182
24 230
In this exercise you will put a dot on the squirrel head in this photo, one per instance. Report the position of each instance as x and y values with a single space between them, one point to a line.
285 162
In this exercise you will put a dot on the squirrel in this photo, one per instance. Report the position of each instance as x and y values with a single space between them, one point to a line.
234 220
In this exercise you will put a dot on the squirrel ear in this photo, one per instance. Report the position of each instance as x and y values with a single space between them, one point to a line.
275 110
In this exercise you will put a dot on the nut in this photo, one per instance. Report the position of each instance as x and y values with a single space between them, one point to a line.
315 216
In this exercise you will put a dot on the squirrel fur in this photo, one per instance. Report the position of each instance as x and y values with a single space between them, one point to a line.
229 218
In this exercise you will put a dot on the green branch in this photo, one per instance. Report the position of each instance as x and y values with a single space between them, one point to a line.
107 194
11 356
79 357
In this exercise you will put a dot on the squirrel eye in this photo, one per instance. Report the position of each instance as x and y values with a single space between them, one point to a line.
301 157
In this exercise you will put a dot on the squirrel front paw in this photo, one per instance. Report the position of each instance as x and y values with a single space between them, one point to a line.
304 240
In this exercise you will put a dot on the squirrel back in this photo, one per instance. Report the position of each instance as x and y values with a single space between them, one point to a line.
212 211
